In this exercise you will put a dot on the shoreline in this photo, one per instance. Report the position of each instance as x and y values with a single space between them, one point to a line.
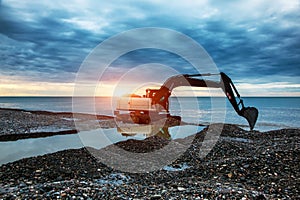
42 112
23 124
21 136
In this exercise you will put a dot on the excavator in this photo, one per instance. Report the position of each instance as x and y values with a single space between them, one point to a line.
146 108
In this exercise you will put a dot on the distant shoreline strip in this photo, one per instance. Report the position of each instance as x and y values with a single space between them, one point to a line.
14 137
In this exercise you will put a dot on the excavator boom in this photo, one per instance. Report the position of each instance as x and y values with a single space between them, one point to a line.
161 95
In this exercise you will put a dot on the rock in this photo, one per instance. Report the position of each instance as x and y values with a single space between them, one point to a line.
181 188
229 175
156 196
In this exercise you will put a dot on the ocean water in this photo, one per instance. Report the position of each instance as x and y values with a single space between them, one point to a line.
274 112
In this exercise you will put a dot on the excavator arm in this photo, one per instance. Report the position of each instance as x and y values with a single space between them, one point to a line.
161 95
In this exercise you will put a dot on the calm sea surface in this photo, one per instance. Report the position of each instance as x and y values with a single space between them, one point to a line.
274 112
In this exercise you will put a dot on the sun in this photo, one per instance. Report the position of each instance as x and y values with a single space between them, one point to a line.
122 89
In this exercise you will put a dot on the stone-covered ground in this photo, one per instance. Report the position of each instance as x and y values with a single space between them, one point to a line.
242 165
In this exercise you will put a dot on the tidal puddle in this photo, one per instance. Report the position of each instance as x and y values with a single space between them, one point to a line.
236 139
180 167
98 138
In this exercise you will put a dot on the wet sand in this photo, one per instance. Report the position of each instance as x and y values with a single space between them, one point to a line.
242 165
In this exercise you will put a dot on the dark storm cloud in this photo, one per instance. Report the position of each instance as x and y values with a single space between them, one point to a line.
267 49
45 46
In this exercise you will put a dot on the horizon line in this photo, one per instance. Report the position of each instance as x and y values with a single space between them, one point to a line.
58 96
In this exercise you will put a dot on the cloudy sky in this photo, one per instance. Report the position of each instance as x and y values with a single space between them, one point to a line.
43 43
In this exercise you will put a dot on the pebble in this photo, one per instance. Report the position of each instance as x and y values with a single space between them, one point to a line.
180 188
156 196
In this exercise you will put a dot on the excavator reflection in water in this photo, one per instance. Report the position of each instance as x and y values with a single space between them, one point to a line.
154 105
148 130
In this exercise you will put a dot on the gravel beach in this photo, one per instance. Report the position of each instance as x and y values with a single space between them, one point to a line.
242 165
20 124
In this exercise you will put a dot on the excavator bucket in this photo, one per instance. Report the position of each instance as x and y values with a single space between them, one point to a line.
251 114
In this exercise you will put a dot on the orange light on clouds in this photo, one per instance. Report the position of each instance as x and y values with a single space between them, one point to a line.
18 87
